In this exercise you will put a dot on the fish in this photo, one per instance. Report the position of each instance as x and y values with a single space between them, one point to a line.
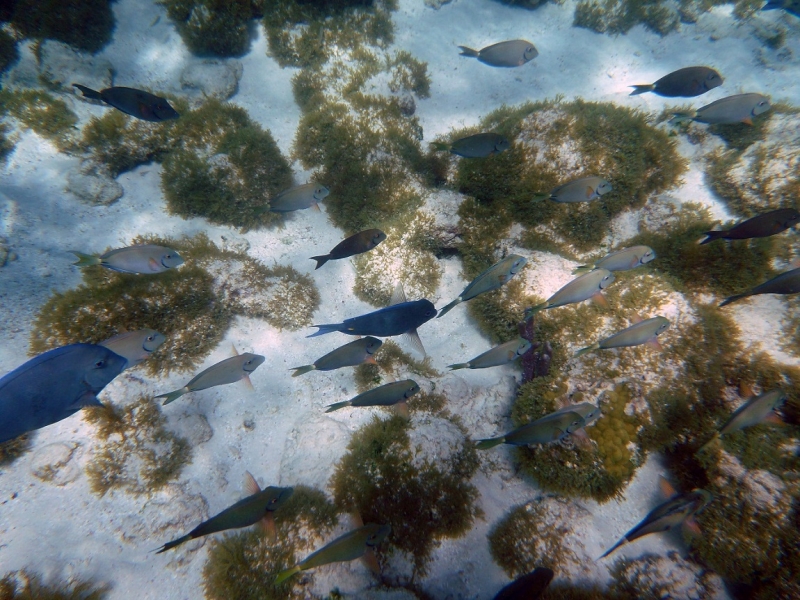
511 53
143 259
588 411
353 544
731 109
527 587
621 260
550 428
584 189
361 242
790 6
683 83
589 285
639 333
479 145
226 371
758 409
384 395
298 198
785 283
349 355
136 103
765 225
679 509
257 507
53 386
135 346
499 355
492 278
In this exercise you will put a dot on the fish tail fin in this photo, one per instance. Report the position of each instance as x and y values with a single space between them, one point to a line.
85 260
172 396
588 349
173 544
458 366
323 329
641 89
582 269
678 118
337 406
441 146
614 547
529 312
539 197
733 299
467 51
302 370
490 443
284 575
449 307
772 5
709 442
88 92
711 236
321 260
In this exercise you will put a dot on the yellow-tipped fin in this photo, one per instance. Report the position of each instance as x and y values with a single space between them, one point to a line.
458 366
172 396
304 369
86 260
490 443
284 575
582 269
337 406
588 349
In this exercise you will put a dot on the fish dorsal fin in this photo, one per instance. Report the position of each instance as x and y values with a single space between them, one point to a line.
234 351
398 295
250 483
666 488
355 520
413 338
86 400
636 318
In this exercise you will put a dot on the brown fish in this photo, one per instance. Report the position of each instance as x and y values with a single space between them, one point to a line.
785 283
358 243
770 223
136 103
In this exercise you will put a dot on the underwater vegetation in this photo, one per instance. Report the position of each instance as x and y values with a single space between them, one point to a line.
13 449
8 51
244 565
26 585
391 474
214 27
653 577
193 306
40 111
392 362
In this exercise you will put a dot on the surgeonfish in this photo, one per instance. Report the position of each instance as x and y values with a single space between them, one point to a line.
143 259
499 355
527 587
639 333
479 145
588 411
299 197
732 109
589 285
349 355
492 278
137 103
53 386
353 544
764 225
550 428
785 283
683 83
584 189
134 346
388 394
621 260
511 53
758 409
361 242
226 371
790 6
257 507
678 510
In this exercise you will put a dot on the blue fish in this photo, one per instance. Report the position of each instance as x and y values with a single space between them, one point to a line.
54 386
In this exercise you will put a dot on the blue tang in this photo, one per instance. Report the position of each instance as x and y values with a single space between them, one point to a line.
54 386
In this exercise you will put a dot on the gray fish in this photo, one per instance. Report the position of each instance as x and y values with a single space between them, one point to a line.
764 225
584 287
587 410
584 189
621 260
756 410
635 335
550 428
54 386
226 371
492 278
137 103
143 259
790 6
361 242
135 346
683 83
298 197
511 53
479 145
785 283
732 109
499 355
527 587
383 395
352 354
257 507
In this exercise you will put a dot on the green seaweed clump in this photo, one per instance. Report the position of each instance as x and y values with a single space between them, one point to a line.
85 25
619 16
13 449
192 305
25 585
214 27
614 431
244 565
8 50
38 110
135 452
423 493
392 362
654 577
6 145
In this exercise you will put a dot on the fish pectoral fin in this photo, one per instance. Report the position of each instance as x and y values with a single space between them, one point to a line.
371 561
599 299
267 524
371 360
636 318
581 438
398 295
413 338
153 264
774 418
401 408
86 400
654 343
691 527
667 489
248 383
234 351
250 484
316 207
747 121
589 192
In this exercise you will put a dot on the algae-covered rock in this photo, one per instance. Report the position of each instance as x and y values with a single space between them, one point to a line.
211 78
652 577
83 24
26 585
92 184
214 27
61 65
42 112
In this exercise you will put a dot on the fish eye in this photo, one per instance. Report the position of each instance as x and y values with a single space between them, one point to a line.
100 364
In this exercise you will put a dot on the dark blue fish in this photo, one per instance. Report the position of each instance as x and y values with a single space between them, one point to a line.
137 103
392 320
527 587
790 6
54 386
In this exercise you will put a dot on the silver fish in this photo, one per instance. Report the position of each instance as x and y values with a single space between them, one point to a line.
511 53
383 395
587 410
479 145
584 287
135 346
550 428
143 259
733 109
621 260
787 282
756 410
492 278
298 197
499 355
584 189
635 335
226 371
349 355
